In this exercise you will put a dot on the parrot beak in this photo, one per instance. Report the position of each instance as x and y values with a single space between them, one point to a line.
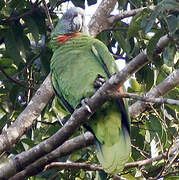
77 23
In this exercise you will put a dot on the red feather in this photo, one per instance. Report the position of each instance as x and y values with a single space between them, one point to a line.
61 39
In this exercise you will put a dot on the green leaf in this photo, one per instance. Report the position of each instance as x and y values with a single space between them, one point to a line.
2 4
11 45
45 57
6 62
148 22
104 37
123 43
39 19
169 4
79 3
135 25
135 3
149 78
161 76
152 44
53 3
172 23
91 2
14 93
135 86
15 3
172 177
122 3
11 70
138 140
168 54
146 75
28 142
3 121
33 28
154 126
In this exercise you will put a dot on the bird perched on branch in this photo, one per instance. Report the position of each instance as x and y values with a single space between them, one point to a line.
79 66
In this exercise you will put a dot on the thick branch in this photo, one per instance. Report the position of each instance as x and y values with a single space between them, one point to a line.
99 19
77 118
165 86
82 141
66 148
25 120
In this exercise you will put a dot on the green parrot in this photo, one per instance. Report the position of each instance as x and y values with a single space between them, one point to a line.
79 66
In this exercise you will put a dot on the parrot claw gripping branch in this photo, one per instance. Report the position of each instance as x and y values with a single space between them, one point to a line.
79 66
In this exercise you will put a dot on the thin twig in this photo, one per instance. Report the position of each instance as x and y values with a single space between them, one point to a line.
140 151
145 98
12 79
28 64
67 165
170 173
48 15
125 14
27 13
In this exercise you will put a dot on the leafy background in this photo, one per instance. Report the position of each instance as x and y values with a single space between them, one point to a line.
24 63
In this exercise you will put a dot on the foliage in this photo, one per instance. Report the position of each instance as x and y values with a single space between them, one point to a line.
24 64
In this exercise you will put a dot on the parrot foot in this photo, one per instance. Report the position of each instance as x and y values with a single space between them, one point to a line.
84 102
99 81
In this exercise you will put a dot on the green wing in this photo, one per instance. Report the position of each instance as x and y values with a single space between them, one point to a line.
104 57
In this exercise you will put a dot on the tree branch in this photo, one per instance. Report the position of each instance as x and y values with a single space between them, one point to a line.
25 120
72 165
165 86
48 15
27 13
66 148
77 118
84 140
145 98
99 18
113 19
12 79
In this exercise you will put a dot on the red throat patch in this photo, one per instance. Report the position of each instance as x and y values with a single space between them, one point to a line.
61 39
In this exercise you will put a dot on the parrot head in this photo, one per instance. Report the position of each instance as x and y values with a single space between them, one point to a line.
72 21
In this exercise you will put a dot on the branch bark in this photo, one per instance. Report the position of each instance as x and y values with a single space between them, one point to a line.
145 98
98 21
25 120
69 146
113 19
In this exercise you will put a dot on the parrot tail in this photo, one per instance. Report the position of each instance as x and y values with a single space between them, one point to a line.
113 157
